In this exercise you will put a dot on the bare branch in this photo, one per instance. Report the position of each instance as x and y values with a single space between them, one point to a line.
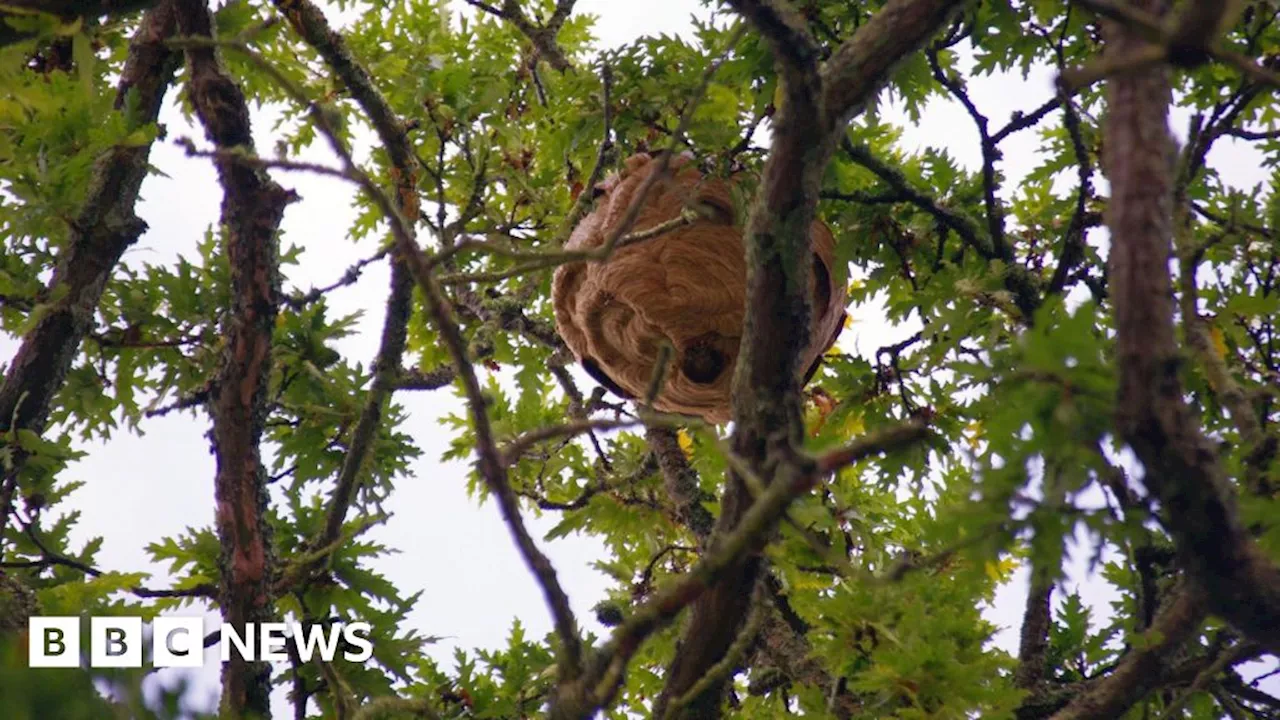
1253 135
746 539
414 379
539 260
1037 618
1022 121
1239 652
490 464
728 665
48 557
680 481
1073 241
995 218
788 37
190 400
348 278
861 66
521 445
964 226
1199 28
386 378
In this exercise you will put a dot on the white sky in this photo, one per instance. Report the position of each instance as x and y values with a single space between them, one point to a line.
140 489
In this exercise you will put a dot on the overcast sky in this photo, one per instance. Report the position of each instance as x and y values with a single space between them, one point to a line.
140 489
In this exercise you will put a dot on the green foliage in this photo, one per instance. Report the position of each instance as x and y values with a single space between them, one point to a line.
1021 402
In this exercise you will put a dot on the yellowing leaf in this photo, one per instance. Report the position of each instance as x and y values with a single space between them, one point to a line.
806 581
1000 571
973 434
1219 341
853 426
686 443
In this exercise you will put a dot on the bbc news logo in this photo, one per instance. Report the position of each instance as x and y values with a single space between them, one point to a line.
117 642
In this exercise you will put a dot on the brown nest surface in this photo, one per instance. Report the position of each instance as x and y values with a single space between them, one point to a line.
686 287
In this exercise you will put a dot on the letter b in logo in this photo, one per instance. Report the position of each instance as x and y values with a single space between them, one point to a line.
115 642
54 641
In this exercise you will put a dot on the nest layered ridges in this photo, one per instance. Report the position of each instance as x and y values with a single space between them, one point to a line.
685 288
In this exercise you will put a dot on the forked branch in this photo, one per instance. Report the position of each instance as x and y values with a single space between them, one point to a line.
1182 466
817 103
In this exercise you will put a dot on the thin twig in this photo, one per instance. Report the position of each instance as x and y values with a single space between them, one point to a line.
883 440
1225 659
349 277
582 203
312 25
516 449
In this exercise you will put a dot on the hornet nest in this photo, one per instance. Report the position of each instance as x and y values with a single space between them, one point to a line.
686 287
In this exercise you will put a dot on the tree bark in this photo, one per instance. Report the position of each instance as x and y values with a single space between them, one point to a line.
1182 467
817 104
100 233
252 208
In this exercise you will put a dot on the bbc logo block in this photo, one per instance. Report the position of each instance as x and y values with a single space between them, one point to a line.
115 642
54 641
177 642
120 642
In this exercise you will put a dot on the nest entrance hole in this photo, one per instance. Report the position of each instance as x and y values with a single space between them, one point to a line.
703 363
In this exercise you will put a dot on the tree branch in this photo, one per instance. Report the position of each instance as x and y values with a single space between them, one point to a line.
543 37
414 379
1261 446
311 24
98 235
1037 619
521 445
1192 43
990 155
67 10
1182 466
681 482
964 226
386 377
1144 667
768 433
744 540
252 208
883 440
